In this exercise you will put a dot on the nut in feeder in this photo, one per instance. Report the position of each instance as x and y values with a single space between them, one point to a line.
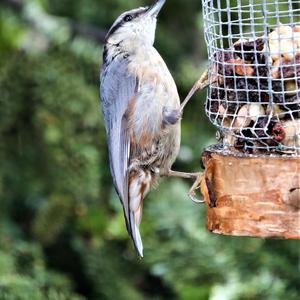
252 178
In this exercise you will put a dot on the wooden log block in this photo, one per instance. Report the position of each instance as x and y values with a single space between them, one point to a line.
250 195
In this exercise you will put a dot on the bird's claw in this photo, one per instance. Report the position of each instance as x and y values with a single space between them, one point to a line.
195 186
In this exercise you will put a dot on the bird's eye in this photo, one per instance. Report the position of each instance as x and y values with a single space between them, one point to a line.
128 18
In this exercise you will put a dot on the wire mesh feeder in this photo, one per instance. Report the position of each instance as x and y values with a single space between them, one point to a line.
252 178
254 54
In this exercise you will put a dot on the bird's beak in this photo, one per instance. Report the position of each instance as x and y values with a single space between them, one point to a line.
154 9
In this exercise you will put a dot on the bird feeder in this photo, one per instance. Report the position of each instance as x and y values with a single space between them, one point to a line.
251 183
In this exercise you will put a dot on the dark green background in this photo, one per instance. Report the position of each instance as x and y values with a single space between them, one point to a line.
62 233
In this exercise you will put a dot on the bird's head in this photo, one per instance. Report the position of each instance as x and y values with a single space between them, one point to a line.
137 25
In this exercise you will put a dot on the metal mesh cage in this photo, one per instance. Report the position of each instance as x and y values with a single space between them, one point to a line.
254 54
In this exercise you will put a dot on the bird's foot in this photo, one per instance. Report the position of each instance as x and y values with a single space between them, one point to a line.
200 84
197 176
170 115
196 186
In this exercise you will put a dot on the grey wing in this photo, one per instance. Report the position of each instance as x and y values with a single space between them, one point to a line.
117 88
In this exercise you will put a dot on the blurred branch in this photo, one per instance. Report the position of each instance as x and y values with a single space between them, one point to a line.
39 17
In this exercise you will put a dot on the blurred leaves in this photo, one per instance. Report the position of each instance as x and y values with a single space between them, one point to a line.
58 208
62 230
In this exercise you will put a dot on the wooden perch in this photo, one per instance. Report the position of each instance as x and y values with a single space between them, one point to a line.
252 195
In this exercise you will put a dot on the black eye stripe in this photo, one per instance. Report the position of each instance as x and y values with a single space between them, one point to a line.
118 25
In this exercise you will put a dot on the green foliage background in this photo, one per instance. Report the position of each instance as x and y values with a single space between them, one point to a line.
62 233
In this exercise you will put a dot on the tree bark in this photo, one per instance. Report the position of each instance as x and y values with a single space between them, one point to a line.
252 195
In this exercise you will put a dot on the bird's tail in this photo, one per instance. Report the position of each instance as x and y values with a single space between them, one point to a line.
135 235
139 186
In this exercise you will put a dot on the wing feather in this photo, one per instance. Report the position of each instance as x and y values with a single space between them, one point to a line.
117 89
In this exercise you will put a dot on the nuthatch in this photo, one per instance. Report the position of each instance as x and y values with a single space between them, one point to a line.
142 112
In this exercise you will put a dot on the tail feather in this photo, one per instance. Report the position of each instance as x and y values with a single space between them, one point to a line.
135 234
139 186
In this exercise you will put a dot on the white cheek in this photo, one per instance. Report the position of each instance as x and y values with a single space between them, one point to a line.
141 31
149 29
